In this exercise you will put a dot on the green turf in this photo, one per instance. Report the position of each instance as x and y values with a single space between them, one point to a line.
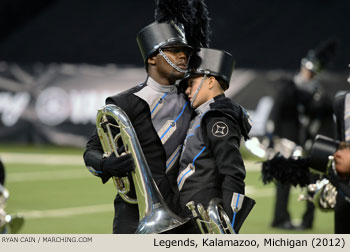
258 222
60 192
39 148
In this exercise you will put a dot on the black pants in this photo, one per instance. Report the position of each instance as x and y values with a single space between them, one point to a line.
281 207
341 215
281 204
126 217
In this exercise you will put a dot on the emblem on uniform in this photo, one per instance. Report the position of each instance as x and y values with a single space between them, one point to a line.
219 129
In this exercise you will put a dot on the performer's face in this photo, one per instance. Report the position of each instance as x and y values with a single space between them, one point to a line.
177 55
306 74
193 84
342 161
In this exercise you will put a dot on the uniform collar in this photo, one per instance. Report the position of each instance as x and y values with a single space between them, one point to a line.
219 97
204 107
160 88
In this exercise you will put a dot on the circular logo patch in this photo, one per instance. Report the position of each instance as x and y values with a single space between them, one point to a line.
219 129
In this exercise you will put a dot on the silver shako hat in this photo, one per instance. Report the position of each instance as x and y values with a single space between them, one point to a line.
160 35
210 62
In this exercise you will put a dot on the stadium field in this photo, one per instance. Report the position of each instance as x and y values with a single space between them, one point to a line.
55 193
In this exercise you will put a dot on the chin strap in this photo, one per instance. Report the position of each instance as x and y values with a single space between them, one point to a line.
194 97
170 62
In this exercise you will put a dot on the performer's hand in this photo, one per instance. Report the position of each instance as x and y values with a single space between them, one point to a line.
118 166
332 177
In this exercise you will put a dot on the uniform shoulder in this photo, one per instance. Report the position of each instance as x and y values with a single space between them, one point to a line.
340 96
226 107
338 103
124 97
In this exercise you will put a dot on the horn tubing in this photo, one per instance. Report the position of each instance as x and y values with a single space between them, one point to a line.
154 215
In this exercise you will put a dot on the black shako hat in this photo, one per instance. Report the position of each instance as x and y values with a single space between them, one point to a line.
322 148
210 62
177 23
158 35
318 58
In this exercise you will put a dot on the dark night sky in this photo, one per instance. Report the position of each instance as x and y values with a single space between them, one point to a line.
261 34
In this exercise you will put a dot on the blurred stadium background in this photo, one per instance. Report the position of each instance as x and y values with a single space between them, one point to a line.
59 59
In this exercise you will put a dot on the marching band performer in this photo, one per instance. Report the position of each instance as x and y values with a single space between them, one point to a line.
159 113
342 164
293 171
2 173
211 164
301 111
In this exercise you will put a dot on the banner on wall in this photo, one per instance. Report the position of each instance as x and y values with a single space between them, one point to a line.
57 103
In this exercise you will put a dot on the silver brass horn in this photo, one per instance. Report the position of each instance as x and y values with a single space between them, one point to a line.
214 220
14 222
154 215
110 145
322 193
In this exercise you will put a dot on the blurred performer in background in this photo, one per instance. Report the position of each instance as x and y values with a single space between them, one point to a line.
2 173
211 164
342 163
159 113
302 109
9 224
3 191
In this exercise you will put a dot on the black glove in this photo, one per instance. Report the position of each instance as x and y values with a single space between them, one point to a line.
118 166
342 185
332 177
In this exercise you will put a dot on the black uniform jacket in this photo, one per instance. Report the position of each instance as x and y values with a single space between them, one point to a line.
211 164
138 111
342 207
296 110
338 108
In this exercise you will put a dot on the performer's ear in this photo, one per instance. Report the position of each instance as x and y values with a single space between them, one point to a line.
151 60
212 81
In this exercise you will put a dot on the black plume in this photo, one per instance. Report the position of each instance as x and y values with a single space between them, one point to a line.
326 51
192 14
179 11
286 171
201 32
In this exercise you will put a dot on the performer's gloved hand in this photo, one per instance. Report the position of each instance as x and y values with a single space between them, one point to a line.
118 166
333 177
